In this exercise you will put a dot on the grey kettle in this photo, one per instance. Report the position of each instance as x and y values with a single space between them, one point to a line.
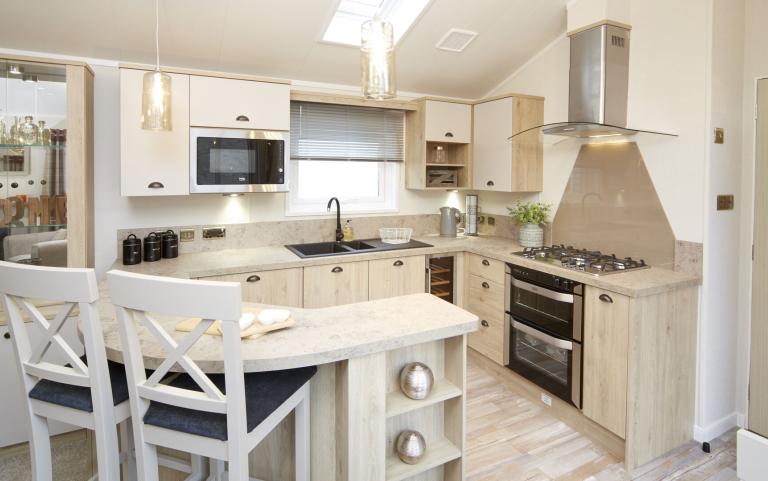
449 221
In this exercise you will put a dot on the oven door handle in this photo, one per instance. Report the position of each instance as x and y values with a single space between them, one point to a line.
555 296
533 332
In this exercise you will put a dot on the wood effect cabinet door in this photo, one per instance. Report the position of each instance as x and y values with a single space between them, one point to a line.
492 162
153 163
396 277
606 348
282 287
239 104
486 300
335 284
448 122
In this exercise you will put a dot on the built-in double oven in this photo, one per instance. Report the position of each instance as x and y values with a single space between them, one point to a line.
545 314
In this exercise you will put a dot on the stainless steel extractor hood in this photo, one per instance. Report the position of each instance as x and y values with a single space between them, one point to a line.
598 86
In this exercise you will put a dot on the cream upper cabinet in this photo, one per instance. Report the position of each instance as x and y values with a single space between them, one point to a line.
606 344
239 104
153 163
448 122
501 164
396 277
281 287
335 284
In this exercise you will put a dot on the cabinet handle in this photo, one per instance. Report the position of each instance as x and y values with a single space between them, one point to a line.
490 183
253 278
14 184
156 185
606 298
486 285
484 323
449 134
242 118
486 263
398 263
337 269
7 335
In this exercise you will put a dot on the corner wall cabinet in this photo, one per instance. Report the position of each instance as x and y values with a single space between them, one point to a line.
438 145
505 165
153 163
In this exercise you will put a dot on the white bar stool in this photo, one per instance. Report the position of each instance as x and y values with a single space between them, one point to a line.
88 392
222 417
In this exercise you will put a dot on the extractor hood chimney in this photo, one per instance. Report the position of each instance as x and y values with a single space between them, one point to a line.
598 86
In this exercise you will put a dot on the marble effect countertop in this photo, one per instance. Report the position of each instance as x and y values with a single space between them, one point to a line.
319 336
637 283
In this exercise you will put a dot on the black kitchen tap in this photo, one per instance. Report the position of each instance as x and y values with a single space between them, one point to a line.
339 233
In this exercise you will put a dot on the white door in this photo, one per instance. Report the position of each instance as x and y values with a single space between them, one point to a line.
758 378
16 424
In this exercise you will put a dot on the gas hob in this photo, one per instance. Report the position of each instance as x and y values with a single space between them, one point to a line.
582 260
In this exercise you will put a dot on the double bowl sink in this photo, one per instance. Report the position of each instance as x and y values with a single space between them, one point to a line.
323 249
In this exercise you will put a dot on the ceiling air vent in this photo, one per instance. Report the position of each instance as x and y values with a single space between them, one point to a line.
456 40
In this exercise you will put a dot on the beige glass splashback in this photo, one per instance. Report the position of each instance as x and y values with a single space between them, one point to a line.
610 204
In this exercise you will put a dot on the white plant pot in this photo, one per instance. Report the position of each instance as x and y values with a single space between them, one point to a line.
531 235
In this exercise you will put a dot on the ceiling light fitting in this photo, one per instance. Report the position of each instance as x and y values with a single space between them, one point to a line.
29 78
14 69
156 91
377 59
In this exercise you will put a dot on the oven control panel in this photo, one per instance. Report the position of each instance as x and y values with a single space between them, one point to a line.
545 279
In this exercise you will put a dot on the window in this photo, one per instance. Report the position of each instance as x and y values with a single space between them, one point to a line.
348 152
344 27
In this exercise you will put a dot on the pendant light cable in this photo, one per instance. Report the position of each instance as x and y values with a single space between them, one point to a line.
157 35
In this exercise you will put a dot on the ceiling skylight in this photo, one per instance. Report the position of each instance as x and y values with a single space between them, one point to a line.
344 27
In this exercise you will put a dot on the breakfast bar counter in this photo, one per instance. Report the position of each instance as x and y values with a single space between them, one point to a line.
357 406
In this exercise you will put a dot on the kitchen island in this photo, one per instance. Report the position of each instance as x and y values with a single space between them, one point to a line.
357 408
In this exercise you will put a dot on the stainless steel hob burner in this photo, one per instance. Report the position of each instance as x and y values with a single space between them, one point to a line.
582 260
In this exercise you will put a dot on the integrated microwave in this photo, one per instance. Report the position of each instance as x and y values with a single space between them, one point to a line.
238 160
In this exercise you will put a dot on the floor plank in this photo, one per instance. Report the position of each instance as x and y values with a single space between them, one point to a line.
510 438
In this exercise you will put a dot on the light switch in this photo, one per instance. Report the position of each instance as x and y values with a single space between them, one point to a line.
719 135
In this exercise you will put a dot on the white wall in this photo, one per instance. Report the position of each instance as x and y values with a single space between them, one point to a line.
720 385
115 212
678 83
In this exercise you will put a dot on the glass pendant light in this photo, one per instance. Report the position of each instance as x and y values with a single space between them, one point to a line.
377 59
156 92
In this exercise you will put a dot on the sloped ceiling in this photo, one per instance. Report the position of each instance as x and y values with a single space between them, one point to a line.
280 38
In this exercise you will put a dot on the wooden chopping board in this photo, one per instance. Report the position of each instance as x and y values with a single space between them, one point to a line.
255 330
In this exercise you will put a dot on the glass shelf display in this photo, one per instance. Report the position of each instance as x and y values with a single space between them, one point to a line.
33 191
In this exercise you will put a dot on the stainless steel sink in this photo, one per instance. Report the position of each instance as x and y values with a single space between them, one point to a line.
321 249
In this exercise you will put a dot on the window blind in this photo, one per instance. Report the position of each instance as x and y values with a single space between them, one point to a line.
346 132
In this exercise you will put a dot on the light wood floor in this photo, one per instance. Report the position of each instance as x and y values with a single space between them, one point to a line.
509 438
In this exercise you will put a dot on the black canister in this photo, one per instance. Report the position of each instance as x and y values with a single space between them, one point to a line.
152 247
131 250
170 244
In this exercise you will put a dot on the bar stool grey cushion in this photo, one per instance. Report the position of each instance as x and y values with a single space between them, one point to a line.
264 393
79 397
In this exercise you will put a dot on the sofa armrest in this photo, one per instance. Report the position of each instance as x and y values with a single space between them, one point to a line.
51 253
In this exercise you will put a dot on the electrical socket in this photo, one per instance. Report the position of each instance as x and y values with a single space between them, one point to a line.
546 399
187 235
214 232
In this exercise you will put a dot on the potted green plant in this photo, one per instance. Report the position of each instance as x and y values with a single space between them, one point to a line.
530 216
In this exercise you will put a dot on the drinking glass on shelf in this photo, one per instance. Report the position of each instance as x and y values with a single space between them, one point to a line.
2 131
13 137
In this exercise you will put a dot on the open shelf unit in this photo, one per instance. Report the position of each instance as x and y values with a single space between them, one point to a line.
439 417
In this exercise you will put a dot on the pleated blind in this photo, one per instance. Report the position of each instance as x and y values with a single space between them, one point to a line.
345 132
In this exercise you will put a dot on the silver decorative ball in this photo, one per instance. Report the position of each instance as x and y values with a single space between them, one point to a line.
416 380
410 447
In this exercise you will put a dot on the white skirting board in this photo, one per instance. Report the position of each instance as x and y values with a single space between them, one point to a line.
718 428
751 456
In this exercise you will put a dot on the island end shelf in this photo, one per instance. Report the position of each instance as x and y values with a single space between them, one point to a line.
372 420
